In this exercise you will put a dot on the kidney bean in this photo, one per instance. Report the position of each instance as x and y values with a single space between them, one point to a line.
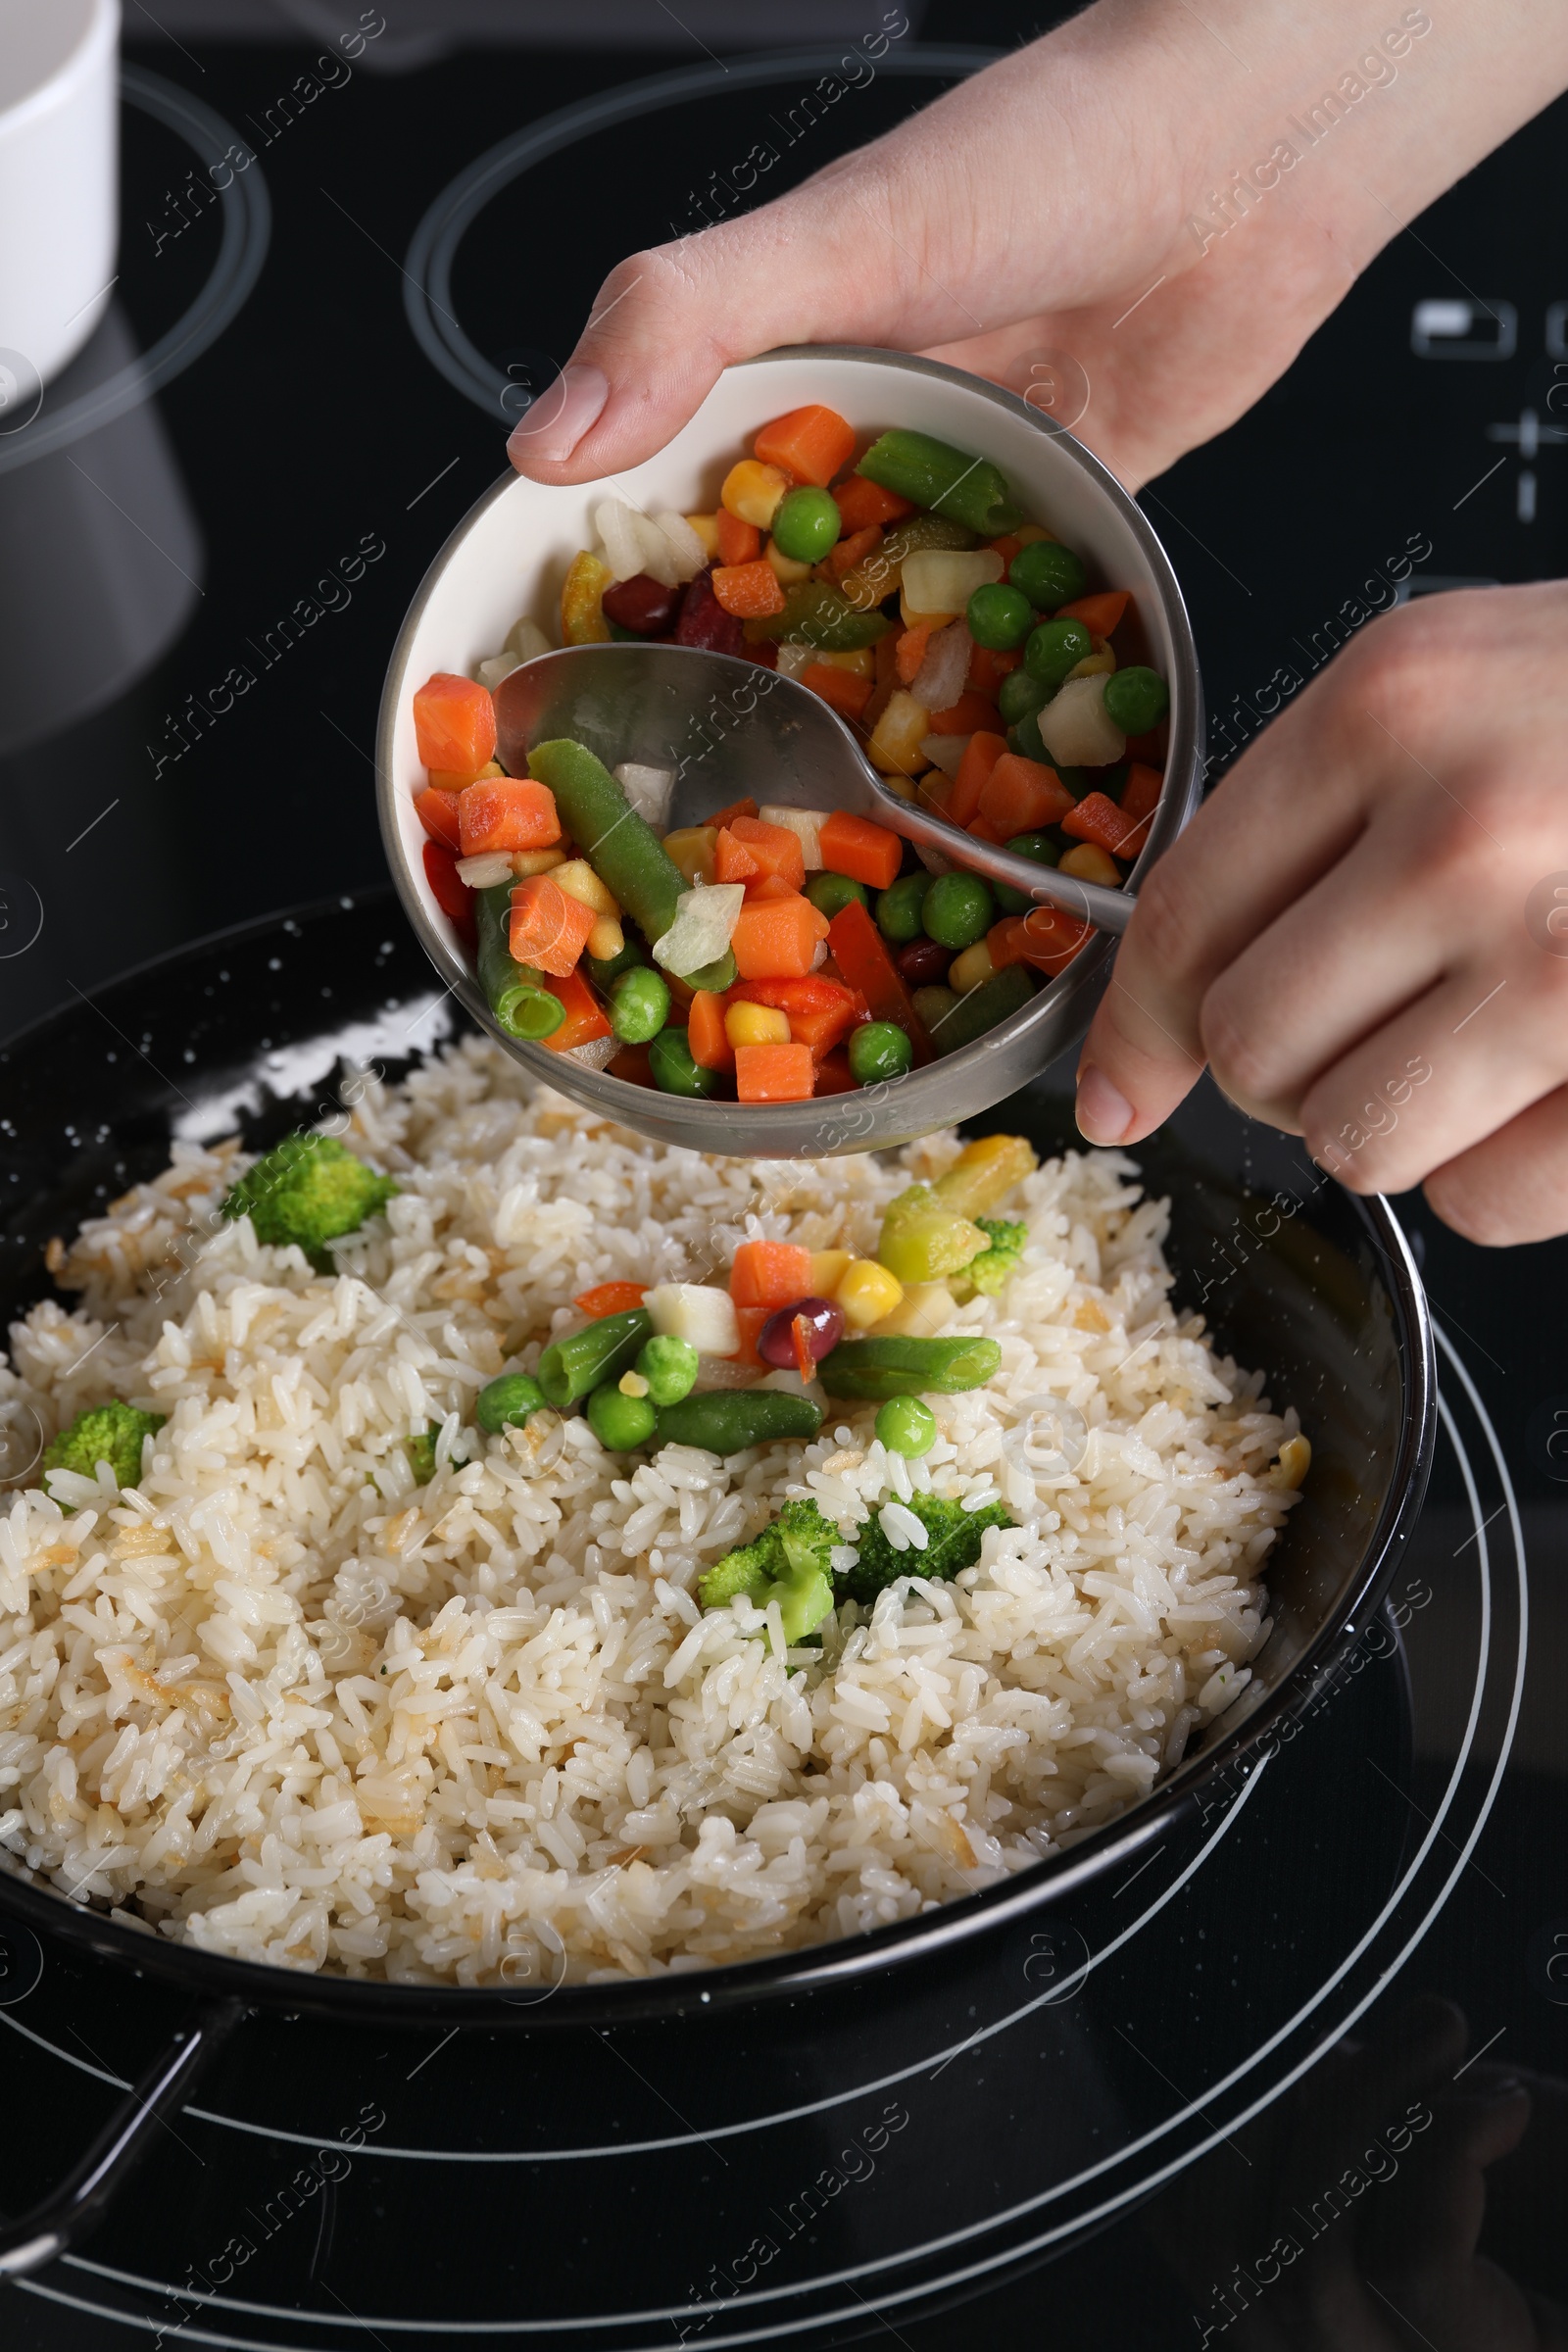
924 961
704 620
775 1343
642 603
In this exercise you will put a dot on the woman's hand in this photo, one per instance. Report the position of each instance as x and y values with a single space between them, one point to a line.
1072 198
1364 931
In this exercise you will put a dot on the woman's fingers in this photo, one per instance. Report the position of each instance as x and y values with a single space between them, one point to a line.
1514 1184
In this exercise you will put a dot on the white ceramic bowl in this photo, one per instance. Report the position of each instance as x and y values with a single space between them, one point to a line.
508 558
59 169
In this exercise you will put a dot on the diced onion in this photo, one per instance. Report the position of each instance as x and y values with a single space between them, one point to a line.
1074 728
597 1054
806 824
486 871
525 638
942 579
945 752
691 556
621 539
498 666
649 788
792 659
701 931
939 680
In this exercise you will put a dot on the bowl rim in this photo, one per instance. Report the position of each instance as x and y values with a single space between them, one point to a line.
844 1960
1064 992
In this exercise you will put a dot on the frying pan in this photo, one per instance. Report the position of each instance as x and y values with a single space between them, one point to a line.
246 1031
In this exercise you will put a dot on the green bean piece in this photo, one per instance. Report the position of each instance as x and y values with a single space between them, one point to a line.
1048 573
638 1003
934 1002
1043 851
1136 698
729 1420
999 618
674 1072
1025 739
871 1370
623 850
879 1051
958 909
830 893
604 970
806 523
1019 694
619 1422
669 1366
515 993
716 976
950 481
510 1398
906 1425
815 614
994 999
570 1367
1056 648
898 907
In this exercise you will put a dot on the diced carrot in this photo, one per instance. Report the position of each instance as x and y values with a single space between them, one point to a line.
981 830
1005 941
848 694
705 1041
454 723
801 1335
985 750
1097 818
449 890
1007 547
911 651
586 1018
751 1320
748 591
970 712
813 443
1099 613
860 502
549 929
866 852
821 1011
634 1064
1140 794
442 779
775 939
438 814
1049 938
610 1299
1021 795
775 849
845 556
773 1073
738 542
513 813
987 669
1149 748
861 955
835 1077
769 886
769 1275
732 860
727 817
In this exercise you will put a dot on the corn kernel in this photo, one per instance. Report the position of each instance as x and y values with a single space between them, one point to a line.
1028 532
753 491
913 619
632 1383
1294 1462
707 528
828 1267
579 881
866 1291
786 570
606 938
904 788
1088 863
895 745
919 1314
1092 666
861 664
967 970
694 849
756 1026
536 861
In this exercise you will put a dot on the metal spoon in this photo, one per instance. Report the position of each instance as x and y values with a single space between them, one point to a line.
730 731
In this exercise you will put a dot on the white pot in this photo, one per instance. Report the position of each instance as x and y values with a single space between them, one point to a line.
59 174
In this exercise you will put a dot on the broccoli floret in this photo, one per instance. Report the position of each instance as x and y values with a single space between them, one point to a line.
109 1433
309 1189
420 1451
953 1542
990 1270
789 1562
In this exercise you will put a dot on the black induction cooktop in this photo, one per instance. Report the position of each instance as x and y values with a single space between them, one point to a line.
1260 2088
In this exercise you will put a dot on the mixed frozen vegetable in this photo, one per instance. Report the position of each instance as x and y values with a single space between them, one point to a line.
774 953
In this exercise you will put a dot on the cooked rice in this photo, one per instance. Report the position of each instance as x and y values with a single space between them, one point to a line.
271 1709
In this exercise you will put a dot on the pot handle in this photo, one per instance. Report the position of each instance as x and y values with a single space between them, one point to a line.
70 2209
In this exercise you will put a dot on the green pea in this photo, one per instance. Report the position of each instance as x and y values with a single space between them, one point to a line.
1056 648
1043 851
639 1002
879 1049
906 1425
898 907
958 911
933 1004
1019 694
511 1397
807 524
1048 573
673 1070
620 1422
999 618
830 893
669 1366
1025 739
1136 698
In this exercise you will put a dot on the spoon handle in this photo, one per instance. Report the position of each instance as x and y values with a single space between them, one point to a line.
1107 910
